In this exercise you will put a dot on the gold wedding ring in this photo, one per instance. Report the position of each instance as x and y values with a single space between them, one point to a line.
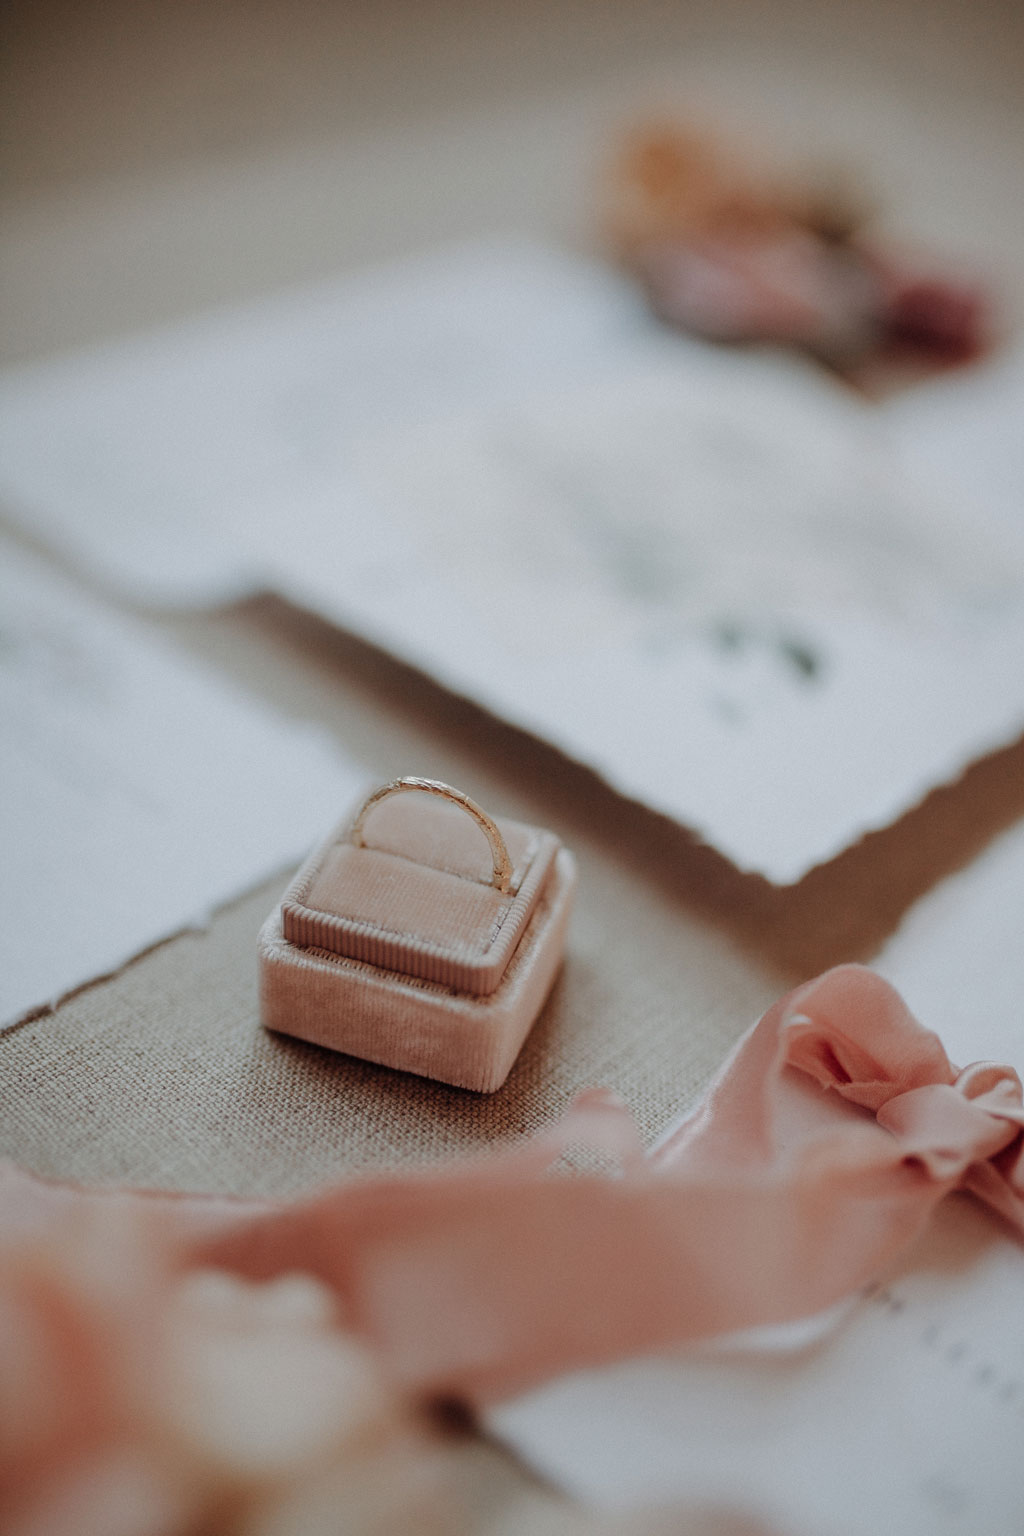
501 877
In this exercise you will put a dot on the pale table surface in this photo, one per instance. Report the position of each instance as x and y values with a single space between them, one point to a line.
158 159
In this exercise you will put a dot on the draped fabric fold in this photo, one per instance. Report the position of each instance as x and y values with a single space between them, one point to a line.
812 1162
773 1200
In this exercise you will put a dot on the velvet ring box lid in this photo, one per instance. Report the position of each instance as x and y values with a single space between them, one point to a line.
422 934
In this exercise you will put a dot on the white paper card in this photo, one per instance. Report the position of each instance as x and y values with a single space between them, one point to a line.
138 792
698 572
701 577
908 1415
962 436
174 463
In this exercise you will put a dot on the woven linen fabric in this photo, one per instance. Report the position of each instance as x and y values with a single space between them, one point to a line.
163 1075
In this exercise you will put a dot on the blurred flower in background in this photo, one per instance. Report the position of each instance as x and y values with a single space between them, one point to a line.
139 1397
737 253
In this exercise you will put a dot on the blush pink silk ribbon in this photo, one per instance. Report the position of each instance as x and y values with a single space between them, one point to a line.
811 1164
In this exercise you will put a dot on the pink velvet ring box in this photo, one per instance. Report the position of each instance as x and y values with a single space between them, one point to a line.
421 935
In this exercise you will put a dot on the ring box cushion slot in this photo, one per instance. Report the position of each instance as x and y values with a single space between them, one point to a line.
420 900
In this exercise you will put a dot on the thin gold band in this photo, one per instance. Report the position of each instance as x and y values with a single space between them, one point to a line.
501 877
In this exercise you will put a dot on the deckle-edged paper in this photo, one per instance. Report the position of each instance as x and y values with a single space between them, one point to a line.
138 791
904 1411
700 573
173 463
702 578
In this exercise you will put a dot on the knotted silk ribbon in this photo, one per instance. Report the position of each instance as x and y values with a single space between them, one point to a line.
812 1162
772 1201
